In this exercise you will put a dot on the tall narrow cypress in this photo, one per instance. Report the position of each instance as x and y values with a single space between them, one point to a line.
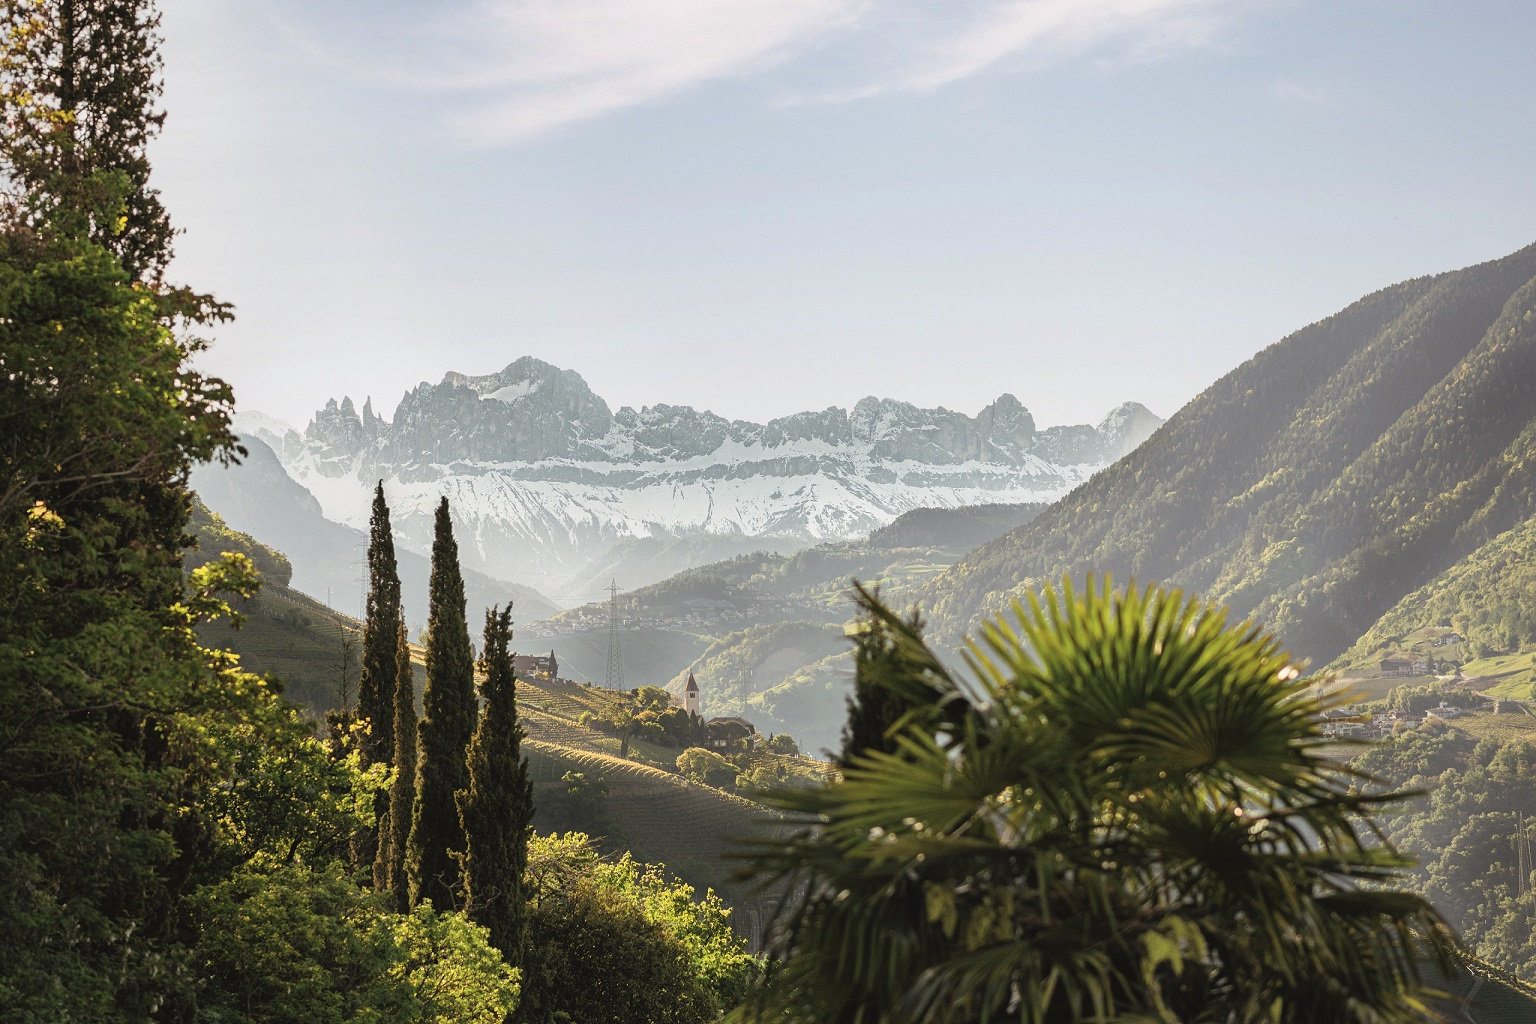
497 808
376 689
448 706
402 792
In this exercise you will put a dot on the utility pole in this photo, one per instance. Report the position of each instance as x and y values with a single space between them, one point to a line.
615 659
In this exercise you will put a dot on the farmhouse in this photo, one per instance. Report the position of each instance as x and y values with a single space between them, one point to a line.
731 732
533 666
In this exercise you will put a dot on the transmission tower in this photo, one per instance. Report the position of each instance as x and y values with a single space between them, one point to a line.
615 659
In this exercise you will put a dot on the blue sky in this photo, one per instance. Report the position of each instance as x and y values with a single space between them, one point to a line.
764 206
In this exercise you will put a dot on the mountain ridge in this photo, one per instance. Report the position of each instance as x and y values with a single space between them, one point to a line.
545 479
1319 482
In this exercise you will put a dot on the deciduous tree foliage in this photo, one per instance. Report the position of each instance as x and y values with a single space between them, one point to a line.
449 713
1472 835
1126 815
617 942
172 836
496 810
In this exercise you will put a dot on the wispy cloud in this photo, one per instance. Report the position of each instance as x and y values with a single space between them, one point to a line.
517 68
1048 29
535 65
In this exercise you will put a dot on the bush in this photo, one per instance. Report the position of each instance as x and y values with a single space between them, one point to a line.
617 942
705 766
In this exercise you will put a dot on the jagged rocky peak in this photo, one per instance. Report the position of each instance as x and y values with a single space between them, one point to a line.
1001 433
1126 426
829 426
533 381
676 431
372 423
527 412
335 433
1074 445
1006 422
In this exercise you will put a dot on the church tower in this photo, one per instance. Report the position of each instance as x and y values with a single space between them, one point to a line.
691 695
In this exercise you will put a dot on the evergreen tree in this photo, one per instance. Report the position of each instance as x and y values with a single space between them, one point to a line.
448 706
497 808
81 84
376 689
402 791
886 692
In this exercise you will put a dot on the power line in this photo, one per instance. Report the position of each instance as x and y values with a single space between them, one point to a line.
615 660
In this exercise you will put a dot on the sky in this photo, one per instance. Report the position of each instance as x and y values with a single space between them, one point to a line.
759 207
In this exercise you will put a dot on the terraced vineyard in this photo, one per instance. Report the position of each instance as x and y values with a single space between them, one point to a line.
661 818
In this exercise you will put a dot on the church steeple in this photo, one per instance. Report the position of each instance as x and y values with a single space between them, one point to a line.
691 695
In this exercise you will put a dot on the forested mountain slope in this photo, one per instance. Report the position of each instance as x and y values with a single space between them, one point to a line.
1318 483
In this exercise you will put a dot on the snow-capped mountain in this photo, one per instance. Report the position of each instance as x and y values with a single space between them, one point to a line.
550 487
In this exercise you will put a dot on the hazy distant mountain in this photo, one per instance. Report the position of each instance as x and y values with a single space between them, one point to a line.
329 560
547 483
1322 481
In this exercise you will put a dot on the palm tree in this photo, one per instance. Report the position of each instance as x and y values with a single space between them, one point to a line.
1124 814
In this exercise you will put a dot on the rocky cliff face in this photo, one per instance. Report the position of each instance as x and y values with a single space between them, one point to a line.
545 479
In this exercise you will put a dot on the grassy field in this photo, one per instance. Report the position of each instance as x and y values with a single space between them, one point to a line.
1512 675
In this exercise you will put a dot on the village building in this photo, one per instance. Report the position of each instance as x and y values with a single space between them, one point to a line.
534 666
691 695
731 731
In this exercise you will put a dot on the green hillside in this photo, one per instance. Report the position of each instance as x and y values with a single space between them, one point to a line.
287 635
1475 613
763 632
1319 483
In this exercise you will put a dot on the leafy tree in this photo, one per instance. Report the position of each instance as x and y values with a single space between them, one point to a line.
289 943
1127 815
623 720
172 836
616 942
652 698
584 796
448 704
402 788
782 743
705 767
496 810
376 689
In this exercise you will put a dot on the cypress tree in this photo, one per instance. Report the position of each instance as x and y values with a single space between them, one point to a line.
376 689
402 791
886 691
448 705
497 808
